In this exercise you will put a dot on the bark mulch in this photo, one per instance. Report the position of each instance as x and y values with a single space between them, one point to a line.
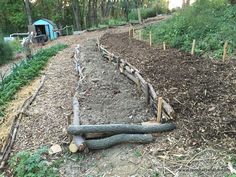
202 91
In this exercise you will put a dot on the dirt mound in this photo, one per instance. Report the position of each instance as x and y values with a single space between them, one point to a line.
200 90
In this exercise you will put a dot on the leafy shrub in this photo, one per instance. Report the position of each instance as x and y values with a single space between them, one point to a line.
23 73
145 13
211 23
33 164
6 52
16 46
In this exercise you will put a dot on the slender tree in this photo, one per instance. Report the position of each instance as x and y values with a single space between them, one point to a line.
75 7
28 11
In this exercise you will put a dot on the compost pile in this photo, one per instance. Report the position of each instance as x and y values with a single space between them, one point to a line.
202 91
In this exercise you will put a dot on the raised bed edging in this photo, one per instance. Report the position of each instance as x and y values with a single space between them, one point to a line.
134 74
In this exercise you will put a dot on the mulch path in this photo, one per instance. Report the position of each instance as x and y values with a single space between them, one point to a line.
202 91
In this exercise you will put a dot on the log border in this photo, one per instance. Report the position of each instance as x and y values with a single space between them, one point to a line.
134 74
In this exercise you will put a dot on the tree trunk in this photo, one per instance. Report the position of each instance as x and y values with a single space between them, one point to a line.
89 13
95 22
103 13
28 11
117 139
119 128
75 7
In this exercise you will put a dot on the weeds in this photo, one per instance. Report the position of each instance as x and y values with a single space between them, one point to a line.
23 73
137 153
211 23
33 164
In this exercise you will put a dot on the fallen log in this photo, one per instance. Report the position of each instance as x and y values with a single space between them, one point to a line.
77 143
119 128
117 139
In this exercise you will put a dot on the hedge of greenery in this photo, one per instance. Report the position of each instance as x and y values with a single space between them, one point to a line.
23 73
6 52
145 13
211 23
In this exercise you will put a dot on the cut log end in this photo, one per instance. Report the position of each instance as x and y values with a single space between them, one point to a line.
74 148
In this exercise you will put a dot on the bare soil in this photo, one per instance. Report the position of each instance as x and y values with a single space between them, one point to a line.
201 91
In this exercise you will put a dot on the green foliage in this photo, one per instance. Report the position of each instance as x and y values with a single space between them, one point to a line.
145 13
114 22
16 46
211 23
137 153
33 164
23 73
6 52
155 174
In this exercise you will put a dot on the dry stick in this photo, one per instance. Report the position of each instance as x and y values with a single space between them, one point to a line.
164 46
16 123
150 38
225 51
193 47
139 88
98 43
159 109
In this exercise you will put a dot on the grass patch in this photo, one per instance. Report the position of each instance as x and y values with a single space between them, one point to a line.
23 73
34 164
211 23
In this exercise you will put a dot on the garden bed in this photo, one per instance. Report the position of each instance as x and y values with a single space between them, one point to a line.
201 91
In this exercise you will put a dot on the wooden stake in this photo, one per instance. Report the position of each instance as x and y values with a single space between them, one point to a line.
139 16
98 42
133 32
164 46
193 47
140 35
129 31
85 23
225 51
139 88
159 109
150 38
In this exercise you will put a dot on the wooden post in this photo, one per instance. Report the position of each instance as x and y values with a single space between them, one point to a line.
193 47
85 23
98 42
133 32
150 38
140 35
129 31
139 16
159 109
164 46
67 32
225 51
139 88
72 29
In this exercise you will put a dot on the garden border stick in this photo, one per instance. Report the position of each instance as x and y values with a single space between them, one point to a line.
164 46
193 47
225 51
159 109
150 38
